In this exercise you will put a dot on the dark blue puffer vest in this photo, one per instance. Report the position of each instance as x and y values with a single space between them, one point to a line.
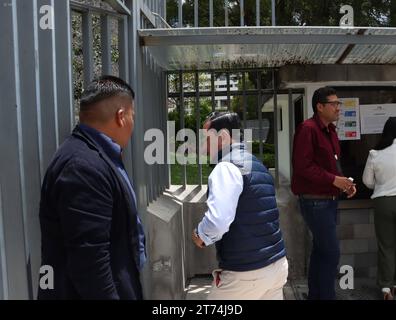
254 239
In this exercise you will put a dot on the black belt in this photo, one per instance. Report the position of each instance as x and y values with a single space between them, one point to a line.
319 197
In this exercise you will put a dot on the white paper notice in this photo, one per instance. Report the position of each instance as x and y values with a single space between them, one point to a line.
348 125
374 116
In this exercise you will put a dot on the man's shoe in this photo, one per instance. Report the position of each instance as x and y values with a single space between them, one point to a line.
388 293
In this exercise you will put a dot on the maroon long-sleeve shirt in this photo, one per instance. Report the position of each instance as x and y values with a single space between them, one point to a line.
315 152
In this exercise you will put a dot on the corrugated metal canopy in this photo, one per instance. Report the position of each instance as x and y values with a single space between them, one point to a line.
242 47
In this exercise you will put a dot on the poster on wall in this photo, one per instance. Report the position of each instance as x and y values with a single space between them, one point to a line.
374 116
348 125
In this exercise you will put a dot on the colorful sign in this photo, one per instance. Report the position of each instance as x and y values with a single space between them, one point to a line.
348 124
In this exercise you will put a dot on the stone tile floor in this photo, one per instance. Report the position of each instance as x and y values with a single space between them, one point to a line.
364 289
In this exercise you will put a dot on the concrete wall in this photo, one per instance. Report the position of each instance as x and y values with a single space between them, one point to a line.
295 233
172 257
357 241
165 249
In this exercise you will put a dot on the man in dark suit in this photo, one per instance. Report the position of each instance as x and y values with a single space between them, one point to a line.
91 233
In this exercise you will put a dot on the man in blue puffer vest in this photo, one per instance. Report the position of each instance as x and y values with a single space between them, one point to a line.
242 218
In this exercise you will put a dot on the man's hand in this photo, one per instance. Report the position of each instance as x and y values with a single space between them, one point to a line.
344 184
351 192
197 240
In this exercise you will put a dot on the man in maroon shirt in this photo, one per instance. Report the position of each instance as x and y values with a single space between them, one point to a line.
318 181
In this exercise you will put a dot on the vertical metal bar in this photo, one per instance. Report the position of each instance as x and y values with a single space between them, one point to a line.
55 87
123 48
273 11
164 8
87 47
198 124
135 73
291 127
180 10
211 13
228 92
168 137
70 59
3 261
242 12
244 98
260 114
21 153
276 128
196 23
257 13
212 88
38 90
63 70
182 124
105 30
226 13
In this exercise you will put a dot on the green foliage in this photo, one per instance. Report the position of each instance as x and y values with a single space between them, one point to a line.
267 147
190 119
372 13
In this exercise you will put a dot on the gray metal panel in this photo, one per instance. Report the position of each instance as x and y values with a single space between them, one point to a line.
180 14
64 68
276 128
260 114
242 12
10 179
124 74
48 89
210 13
136 76
253 47
182 124
27 19
106 44
198 125
3 261
292 128
87 47
273 12
196 17
164 9
119 6
226 13
258 13
123 48
244 100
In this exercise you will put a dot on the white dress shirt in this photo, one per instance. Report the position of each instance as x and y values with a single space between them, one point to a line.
225 186
380 172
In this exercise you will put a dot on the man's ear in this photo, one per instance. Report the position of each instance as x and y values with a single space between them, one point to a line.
119 117
224 134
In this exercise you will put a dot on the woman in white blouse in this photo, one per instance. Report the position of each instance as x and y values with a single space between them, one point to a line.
380 175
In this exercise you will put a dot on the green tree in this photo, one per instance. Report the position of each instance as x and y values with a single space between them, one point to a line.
190 119
369 13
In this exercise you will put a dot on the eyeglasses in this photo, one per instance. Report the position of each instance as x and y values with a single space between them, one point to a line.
333 103
212 115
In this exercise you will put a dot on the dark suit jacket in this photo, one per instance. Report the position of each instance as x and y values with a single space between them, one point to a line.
88 225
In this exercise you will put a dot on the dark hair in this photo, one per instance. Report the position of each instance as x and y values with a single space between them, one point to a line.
224 120
388 134
103 88
320 96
